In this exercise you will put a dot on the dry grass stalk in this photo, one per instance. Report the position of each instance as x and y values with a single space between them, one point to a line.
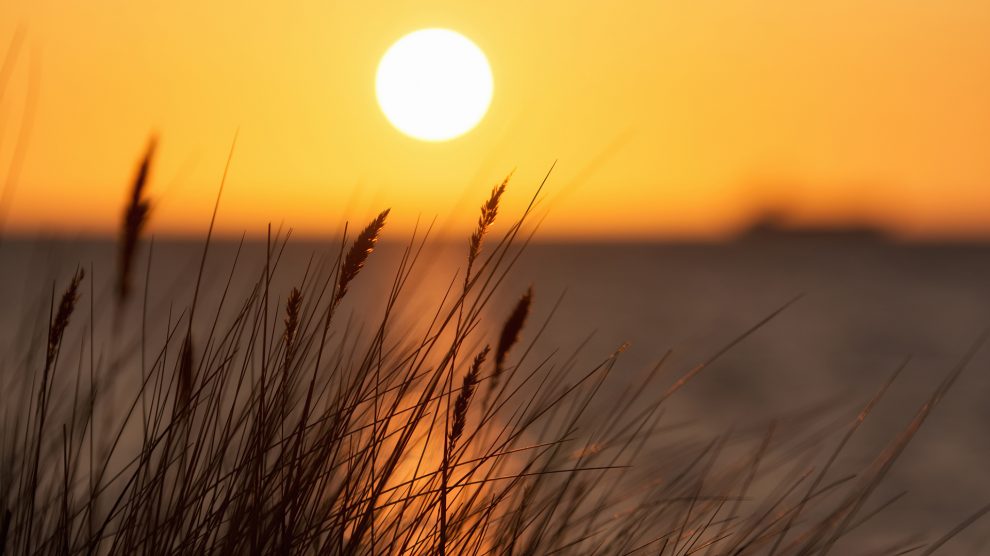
185 385
359 252
134 221
5 528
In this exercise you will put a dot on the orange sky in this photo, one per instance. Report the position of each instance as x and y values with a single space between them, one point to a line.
667 118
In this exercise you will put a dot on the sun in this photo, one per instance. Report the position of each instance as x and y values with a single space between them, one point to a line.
434 84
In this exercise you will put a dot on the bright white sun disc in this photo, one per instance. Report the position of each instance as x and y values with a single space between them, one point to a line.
434 84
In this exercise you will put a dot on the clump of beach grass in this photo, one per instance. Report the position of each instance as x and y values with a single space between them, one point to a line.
287 427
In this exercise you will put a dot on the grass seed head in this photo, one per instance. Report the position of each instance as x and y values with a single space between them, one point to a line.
464 398
292 308
489 210
359 252
511 329
134 220
61 321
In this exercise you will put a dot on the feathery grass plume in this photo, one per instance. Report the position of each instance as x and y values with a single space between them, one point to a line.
134 220
464 399
488 212
509 336
358 254
61 321
510 331
292 307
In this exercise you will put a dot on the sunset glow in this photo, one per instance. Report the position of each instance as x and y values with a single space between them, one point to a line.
665 119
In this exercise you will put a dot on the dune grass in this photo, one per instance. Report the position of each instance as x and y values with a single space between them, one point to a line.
288 429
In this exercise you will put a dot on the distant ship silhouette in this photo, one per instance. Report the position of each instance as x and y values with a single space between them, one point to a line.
774 226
